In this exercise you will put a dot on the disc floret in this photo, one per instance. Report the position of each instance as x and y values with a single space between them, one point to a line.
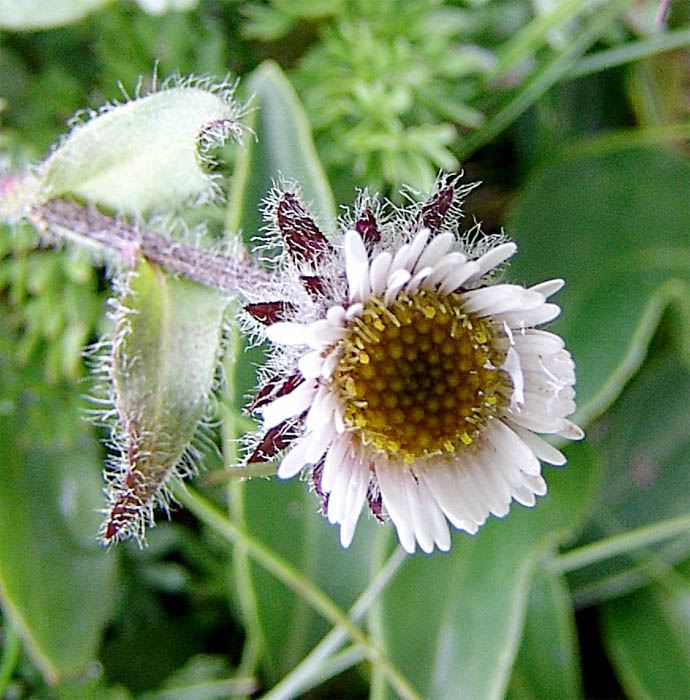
418 377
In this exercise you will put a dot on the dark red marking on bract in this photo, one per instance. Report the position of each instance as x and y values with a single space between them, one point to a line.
129 504
314 285
375 502
367 227
124 510
276 386
303 239
270 311
434 211
275 440
316 474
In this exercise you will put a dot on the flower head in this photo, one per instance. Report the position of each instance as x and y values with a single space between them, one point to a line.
404 375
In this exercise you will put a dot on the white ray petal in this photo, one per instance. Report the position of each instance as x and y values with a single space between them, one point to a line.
286 333
292 404
414 284
510 448
329 364
416 248
405 536
356 266
478 486
449 485
542 449
538 342
336 315
530 317
322 408
511 366
311 364
524 495
551 404
571 431
536 422
320 440
337 452
433 253
396 282
394 499
353 311
446 264
445 486
294 461
357 492
338 496
499 298
537 484
437 521
322 333
456 277
495 498
547 370
379 272
549 287
421 524
399 260
493 258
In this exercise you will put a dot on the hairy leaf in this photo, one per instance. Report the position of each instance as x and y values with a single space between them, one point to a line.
146 154
165 353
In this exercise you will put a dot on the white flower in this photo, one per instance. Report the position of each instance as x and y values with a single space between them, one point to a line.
404 375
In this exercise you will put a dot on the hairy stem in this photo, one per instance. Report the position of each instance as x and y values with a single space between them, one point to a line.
233 273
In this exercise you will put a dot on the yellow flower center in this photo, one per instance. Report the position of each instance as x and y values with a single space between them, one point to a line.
416 376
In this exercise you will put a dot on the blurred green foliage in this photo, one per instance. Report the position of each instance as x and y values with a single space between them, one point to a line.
585 159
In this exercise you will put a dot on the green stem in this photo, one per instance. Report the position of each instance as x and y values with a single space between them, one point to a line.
378 688
658 570
629 52
10 655
304 676
233 474
231 687
532 35
335 664
621 544
620 139
240 568
550 74
289 576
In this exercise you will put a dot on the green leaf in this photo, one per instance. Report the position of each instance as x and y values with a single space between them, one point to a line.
26 15
548 665
647 635
283 148
284 516
56 584
643 442
146 154
166 349
455 621
615 226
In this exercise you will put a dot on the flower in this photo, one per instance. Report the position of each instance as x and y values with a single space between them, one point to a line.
404 375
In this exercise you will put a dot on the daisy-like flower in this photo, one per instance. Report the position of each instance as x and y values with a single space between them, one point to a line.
404 375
